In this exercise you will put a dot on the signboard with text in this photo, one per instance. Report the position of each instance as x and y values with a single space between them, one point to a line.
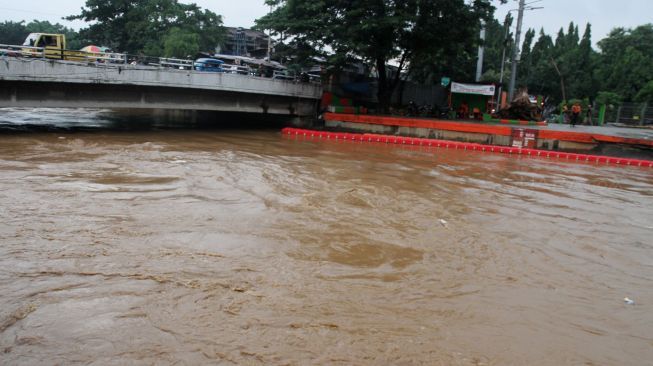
524 138
472 89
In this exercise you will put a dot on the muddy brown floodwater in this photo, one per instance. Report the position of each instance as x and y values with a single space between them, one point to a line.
169 246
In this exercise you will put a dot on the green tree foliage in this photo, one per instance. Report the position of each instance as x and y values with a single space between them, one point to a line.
645 95
497 39
13 33
559 69
145 26
608 98
626 61
462 67
180 43
570 66
541 77
583 82
526 62
434 34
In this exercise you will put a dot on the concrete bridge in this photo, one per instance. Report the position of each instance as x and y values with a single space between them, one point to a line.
28 82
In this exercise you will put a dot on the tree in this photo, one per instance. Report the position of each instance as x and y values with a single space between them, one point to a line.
378 31
13 33
645 95
497 39
584 80
560 69
608 98
526 58
180 43
626 60
136 26
542 77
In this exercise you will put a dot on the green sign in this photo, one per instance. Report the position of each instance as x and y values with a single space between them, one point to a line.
445 81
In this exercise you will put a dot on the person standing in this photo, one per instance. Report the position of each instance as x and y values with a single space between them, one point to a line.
589 115
463 110
564 114
575 113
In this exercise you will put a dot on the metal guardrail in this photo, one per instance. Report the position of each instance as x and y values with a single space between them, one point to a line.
282 75
114 58
102 57
42 52
632 114
307 78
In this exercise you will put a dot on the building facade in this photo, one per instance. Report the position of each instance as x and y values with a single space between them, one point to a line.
245 42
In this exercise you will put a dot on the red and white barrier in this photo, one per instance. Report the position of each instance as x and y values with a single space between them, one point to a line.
388 139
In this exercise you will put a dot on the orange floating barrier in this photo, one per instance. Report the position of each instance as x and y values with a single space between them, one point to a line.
401 140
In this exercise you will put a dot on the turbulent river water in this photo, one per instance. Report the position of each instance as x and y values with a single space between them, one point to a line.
166 245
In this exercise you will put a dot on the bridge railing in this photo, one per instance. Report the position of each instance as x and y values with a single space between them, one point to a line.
115 58
72 55
84 56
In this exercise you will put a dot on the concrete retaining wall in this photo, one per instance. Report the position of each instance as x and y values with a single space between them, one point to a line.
420 132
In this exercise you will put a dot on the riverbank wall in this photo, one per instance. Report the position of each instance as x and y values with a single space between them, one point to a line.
596 140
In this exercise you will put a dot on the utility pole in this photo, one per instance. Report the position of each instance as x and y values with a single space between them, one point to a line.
269 45
515 51
503 60
270 39
481 49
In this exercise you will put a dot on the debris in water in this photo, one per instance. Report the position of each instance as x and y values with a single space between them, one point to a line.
629 301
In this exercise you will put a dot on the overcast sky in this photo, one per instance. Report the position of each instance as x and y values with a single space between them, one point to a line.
604 15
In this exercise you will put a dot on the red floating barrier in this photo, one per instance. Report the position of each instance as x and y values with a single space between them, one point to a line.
295 133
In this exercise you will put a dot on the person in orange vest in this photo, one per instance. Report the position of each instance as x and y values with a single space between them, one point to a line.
575 113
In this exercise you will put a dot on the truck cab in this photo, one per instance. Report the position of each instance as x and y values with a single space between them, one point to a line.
45 44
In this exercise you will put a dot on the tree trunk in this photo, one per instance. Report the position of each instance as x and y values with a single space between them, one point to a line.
384 92
388 86
562 80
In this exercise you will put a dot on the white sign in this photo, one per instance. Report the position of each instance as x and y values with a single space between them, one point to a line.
472 89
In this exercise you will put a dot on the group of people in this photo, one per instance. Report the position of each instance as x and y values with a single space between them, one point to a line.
463 112
575 115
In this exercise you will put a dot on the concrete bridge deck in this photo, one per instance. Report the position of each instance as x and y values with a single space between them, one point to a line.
28 82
